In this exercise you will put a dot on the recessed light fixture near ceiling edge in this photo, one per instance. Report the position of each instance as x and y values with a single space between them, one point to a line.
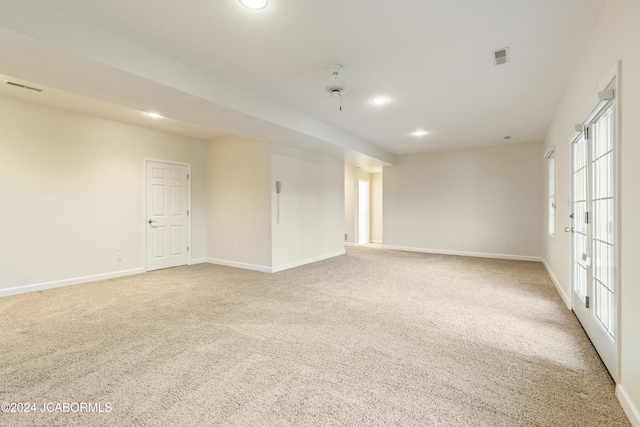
379 100
254 4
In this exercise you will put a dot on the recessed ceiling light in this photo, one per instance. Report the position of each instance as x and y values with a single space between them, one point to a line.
254 4
153 115
419 133
379 100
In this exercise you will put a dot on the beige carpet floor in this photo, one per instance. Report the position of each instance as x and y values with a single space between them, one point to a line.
373 337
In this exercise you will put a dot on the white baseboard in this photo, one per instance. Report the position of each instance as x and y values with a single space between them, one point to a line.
68 282
95 278
244 266
629 407
563 295
350 244
265 269
463 253
306 261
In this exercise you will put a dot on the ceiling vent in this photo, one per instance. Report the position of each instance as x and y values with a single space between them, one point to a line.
501 57
22 86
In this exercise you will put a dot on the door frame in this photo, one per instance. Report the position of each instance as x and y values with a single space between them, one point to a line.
587 115
368 202
145 163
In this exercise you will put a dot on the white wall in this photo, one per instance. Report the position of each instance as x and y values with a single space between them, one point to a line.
242 205
73 194
615 37
312 207
466 201
239 203
376 208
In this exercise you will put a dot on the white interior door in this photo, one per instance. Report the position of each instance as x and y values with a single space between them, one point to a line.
594 251
167 215
363 212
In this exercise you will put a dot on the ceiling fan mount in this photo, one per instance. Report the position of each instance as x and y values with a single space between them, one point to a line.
335 86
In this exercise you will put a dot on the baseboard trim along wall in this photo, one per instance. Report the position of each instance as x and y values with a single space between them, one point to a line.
276 269
253 267
68 282
88 279
350 244
563 295
627 404
306 261
462 253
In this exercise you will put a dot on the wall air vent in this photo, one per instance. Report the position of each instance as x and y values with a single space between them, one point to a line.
501 56
22 86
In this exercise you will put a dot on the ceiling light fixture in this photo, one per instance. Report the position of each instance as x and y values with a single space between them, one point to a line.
420 133
335 86
153 115
254 4
379 100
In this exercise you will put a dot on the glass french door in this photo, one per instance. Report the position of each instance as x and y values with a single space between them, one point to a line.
594 272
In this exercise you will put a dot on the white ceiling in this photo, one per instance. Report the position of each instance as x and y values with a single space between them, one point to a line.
65 100
261 74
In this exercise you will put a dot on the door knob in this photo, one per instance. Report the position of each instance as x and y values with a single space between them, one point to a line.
568 229
152 221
